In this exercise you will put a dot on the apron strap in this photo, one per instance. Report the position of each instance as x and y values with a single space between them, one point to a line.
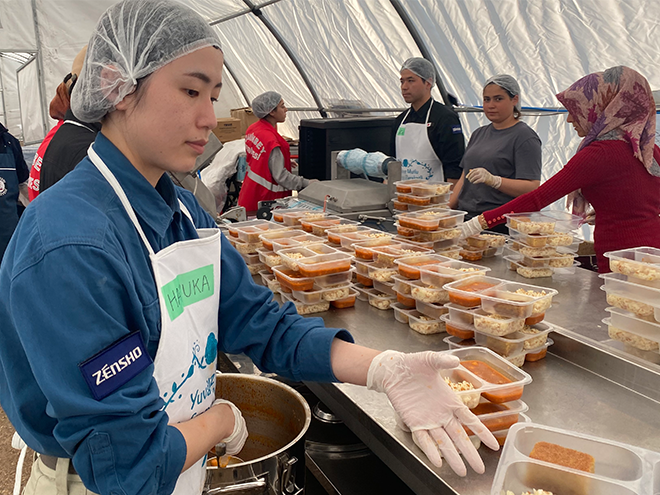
186 212
428 114
105 171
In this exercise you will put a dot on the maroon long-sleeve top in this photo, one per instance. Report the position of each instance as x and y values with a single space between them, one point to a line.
625 196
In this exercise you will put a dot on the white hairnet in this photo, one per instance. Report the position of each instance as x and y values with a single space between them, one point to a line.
420 67
132 39
265 103
507 83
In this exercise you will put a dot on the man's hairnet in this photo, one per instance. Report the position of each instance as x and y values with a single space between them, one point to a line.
132 39
265 103
507 83
420 67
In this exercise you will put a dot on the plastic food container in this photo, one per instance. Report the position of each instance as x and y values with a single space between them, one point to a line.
386 287
363 292
405 231
333 279
270 281
400 312
325 264
501 381
302 239
245 247
268 258
363 248
460 315
292 217
251 259
428 293
335 234
528 271
362 234
425 324
630 296
252 233
639 333
286 233
496 324
364 280
380 300
458 343
514 343
458 330
409 266
307 309
457 377
405 300
254 269
320 227
539 353
498 417
542 240
381 274
431 310
405 186
517 300
414 200
292 280
402 284
483 241
471 254
326 294
501 435
468 291
563 220
347 302
234 228
431 219
430 188
620 469
642 263
385 255
530 223
292 256
399 206
439 235
449 271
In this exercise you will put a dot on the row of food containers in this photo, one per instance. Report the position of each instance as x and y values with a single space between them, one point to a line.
633 291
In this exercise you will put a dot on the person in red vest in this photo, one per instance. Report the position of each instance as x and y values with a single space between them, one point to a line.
269 161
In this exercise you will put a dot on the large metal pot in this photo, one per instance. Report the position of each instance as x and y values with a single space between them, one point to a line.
277 418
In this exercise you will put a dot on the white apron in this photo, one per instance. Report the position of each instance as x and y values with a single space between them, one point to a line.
187 275
414 151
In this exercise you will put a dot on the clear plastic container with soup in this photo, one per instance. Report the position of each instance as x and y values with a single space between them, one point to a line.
430 188
458 343
500 435
401 313
642 263
402 284
252 233
234 228
431 219
439 235
399 205
449 271
471 254
381 273
405 299
347 302
410 199
517 300
245 247
333 279
364 280
496 324
251 259
322 226
503 382
363 234
464 384
538 353
405 186
363 249
270 281
460 315
428 293
292 256
267 238
458 330
325 264
268 258
293 216
292 280
405 231
409 266
468 291
307 309
497 417
335 234
386 287
384 256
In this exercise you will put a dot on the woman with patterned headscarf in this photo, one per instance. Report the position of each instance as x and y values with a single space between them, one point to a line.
615 168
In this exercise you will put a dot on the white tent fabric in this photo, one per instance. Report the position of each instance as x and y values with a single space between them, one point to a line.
325 52
30 104
12 115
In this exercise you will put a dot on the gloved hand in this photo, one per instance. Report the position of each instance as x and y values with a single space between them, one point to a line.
471 227
483 176
239 435
429 407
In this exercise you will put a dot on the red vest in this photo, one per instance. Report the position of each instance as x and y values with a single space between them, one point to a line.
259 185
35 171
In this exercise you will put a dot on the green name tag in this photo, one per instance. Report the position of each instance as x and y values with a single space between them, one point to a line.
186 289
401 131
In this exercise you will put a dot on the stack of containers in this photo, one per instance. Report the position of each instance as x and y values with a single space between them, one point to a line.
292 217
315 277
542 244
419 288
491 387
507 317
484 245
432 228
245 237
633 291
418 194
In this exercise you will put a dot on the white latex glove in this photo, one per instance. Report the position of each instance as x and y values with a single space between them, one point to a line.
239 435
429 407
471 227
483 176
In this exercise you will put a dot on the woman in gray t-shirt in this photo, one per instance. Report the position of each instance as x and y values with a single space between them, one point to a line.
503 159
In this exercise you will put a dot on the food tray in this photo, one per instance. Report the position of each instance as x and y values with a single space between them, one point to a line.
327 294
641 263
430 188
468 253
428 293
301 239
468 291
495 324
402 284
341 278
292 256
307 309
363 292
409 266
498 417
386 287
325 264
411 199
285 233
234 228
291 217
459 330
425 324
486 240
251 259
512 380
335 234
364 280
563 220
269 258
405 231
504 299
379 300
431 219
460 315
320 227
405 300
538 353
362 234
385 255
399 206
405 186
252 233
457 343
530 223
438 235
514 343
631 288
292 280
501 435
516 265
244 247
640 309
620 469
347 302
270 281
643 333
380 273
400 312
449 271
363 248
432 310
542 240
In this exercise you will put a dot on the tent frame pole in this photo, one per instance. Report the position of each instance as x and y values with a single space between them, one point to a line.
426 53
40 69
238 84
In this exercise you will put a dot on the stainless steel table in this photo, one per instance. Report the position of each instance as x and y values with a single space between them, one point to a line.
562 394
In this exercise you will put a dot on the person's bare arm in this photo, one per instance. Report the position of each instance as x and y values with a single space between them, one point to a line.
350 362
518 187
453 200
